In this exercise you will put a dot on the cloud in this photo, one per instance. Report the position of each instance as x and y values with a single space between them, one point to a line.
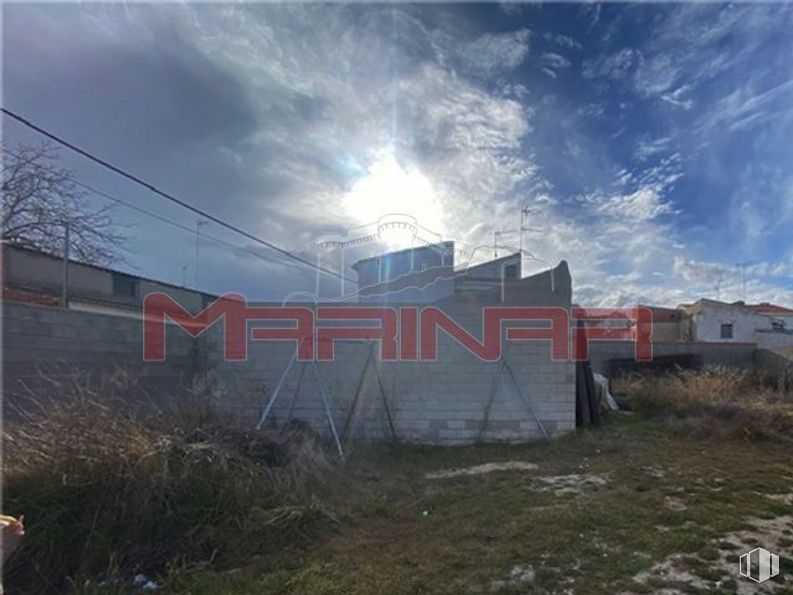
677 98
694 44
644 204
363 98
731 283
495 52
648 148
564 41
617 66
701 272
277 116
552 60
746 106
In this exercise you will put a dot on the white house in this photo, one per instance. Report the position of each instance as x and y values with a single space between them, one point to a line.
765 324
780 331
781 317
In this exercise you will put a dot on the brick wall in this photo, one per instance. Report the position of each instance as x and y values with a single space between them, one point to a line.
734 355
441 402
42 343
444 402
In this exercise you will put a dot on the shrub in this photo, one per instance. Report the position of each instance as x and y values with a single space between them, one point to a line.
714 400
112 485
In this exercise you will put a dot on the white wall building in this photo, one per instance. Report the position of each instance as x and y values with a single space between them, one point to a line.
765 324
780 331
781 318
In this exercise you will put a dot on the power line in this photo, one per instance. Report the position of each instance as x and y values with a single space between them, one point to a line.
167 220
204 236
166 195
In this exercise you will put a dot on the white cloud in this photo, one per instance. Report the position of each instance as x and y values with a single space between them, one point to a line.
617 66
450 113
728 283
463 140
656 75
564 41
677 97
746 106
644 204
695 43
495 52
700 272
335 88
557 61
649 148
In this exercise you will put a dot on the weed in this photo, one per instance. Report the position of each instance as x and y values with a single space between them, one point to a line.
112 485
715 402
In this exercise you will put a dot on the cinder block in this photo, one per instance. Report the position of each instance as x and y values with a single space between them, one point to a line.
460 435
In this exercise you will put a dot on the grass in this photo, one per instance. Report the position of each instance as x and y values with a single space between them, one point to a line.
399 532
715 401
478 528
109 489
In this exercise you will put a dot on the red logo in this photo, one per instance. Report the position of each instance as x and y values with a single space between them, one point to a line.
404 333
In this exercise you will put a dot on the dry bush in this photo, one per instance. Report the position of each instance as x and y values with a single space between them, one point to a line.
715 400
111 485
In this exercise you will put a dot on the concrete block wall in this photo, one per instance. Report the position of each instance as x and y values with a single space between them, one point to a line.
443 402
440 402
42 343
733 355
768 339
776 364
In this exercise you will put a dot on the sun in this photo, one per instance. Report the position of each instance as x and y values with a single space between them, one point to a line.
389 188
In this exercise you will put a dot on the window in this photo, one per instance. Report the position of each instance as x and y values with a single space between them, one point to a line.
777 325
726 331
124 285
511 271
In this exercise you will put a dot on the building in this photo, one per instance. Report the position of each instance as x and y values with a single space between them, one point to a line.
36 277
451 397
393 265
781 317
428 274
780 333
668 324
712 321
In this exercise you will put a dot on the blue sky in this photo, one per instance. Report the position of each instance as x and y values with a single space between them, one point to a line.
651 142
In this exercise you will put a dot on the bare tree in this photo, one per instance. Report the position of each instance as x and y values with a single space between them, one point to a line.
40 198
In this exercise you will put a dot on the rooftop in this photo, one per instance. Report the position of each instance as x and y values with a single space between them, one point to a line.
446 247
766 308
761 308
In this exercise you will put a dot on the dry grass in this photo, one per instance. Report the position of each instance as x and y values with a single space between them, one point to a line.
109 492
112 485
589 520
713 401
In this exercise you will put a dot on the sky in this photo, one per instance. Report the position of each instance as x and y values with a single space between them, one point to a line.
650 144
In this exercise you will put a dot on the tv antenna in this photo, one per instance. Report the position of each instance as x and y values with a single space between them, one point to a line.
525 214
743 266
